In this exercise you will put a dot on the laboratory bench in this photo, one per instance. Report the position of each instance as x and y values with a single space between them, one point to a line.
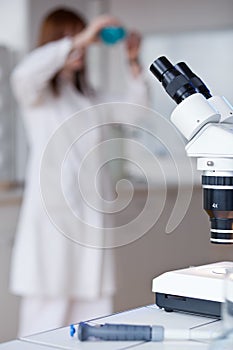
147 315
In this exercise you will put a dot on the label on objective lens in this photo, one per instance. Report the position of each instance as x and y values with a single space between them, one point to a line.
218 199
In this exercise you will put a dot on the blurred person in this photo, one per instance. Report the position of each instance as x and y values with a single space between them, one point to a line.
60 282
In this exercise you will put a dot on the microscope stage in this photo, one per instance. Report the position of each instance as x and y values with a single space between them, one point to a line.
197 290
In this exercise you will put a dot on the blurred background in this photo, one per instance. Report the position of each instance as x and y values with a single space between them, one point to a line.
199 32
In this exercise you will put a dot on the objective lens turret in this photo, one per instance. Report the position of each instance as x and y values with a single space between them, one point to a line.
218 203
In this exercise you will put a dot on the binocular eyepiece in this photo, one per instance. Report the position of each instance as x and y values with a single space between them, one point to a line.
178 81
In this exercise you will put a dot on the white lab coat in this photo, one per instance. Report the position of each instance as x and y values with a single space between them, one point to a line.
44 262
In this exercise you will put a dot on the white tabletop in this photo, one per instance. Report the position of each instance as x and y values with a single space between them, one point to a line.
147 315
22 345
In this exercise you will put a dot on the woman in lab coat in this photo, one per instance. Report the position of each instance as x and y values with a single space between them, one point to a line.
60 282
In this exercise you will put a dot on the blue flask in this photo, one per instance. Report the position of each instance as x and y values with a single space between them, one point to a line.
112 35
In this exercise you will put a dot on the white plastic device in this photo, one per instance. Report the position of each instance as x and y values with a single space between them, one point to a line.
200 282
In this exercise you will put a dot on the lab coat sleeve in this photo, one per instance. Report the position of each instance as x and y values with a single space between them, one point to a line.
30 78
137 90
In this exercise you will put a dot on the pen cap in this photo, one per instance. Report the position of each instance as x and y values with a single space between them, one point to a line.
112 35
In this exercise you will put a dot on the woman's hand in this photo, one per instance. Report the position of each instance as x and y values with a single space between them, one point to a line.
75 61
76 58
133 43
91 34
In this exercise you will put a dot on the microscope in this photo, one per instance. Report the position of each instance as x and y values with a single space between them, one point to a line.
206 122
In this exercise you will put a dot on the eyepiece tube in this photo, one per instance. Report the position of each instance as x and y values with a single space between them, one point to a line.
193 79
160 66
174 82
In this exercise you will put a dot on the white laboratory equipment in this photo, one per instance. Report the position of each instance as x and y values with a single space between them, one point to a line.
206 122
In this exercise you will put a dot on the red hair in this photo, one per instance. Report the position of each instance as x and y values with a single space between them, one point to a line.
56 25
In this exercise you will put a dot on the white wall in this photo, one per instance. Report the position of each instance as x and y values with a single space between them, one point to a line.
173 15
182 29
38 9
14 19
14 24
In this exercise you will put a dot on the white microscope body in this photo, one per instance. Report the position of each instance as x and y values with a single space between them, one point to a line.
206 122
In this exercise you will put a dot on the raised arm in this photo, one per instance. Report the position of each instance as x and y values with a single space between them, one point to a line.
32 75
137 89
